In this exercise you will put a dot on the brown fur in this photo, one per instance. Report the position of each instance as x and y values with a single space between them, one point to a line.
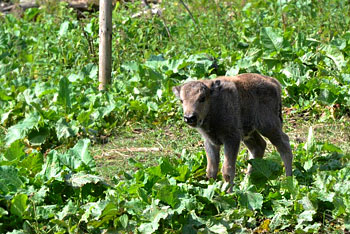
227 110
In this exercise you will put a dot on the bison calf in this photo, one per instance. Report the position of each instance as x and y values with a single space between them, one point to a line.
227 110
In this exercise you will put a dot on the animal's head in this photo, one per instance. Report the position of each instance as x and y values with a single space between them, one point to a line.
195 99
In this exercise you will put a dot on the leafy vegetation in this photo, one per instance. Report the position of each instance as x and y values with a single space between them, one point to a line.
63 193
50 105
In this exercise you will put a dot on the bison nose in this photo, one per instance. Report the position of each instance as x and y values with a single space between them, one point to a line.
190 119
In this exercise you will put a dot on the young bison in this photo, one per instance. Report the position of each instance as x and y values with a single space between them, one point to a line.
227 110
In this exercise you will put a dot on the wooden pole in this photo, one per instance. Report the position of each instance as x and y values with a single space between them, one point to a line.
105 46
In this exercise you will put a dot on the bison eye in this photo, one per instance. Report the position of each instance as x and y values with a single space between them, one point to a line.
202 99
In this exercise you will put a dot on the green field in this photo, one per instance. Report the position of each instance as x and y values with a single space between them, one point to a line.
77 160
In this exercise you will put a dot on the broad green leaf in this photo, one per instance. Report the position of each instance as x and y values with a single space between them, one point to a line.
308 164
19 205
64 93
5 117
271 39
10 180
209 192
4 96
93 210
3 212
79 156
307 204
306 216
81 178
169 194
39 195
20 130
310 143
109 213
33 163
46 212
233 71
331 148
70 209
15 151
64 28
124 219
264 170
148 227
38 137
184 173
167 167
250 200
335 54
65 129
44 88
218 228
75 77
52 168
155 215
291 185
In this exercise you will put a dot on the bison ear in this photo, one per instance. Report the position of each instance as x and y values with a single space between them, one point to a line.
215 86
176 91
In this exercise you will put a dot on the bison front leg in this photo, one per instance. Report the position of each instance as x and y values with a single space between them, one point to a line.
231 147
213 159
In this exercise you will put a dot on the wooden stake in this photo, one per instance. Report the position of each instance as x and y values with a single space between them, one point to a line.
105 47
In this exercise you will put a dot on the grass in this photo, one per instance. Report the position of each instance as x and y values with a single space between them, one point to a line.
147 144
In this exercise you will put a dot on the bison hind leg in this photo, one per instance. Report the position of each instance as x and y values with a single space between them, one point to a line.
281 141
256 146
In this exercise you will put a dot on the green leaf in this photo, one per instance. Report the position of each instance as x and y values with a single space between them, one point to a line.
306 216
64 28
52 167
264 170
209 192
271 39
20 130
65 129
33 163
168 193
155 215
63 93
70 209
335 54
10 181
15 151
79 156
308 164
38 137
124 219
19 204
167 167
44 88
39 195
218 228
331 148
109 213
291 185
310 143
3 212
250 200
46 211
81 178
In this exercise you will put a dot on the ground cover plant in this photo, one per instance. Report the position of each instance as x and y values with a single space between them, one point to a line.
51 112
